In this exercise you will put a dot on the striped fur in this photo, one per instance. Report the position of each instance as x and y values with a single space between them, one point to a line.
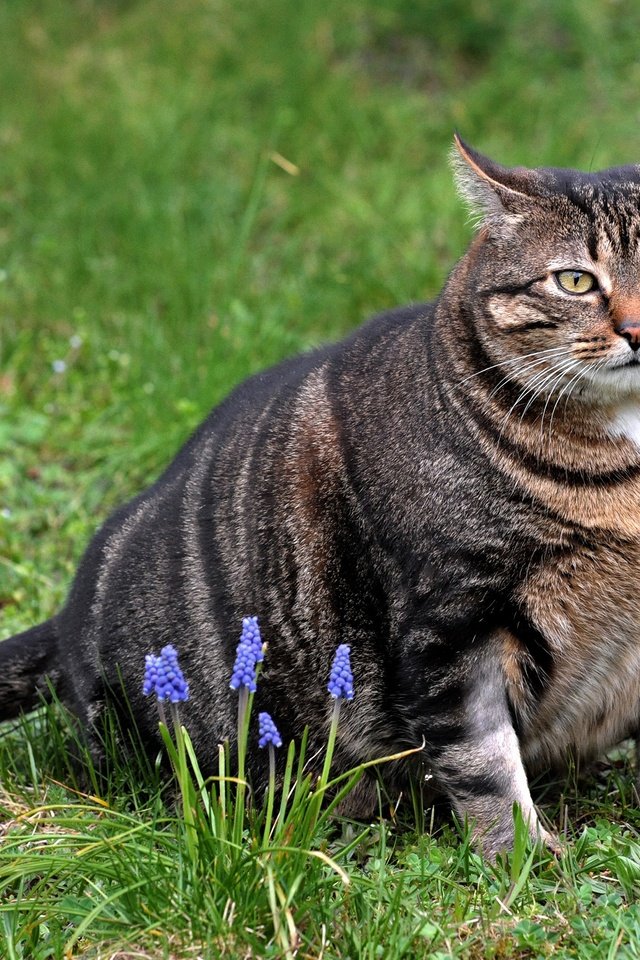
452 490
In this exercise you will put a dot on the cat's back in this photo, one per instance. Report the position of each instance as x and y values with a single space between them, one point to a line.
177 559
363 360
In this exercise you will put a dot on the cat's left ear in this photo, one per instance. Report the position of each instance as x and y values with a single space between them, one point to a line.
496 195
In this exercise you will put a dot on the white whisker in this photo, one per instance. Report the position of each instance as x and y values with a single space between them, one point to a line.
588 372
541 380
502 363
513 376
570 366
559 368
568 386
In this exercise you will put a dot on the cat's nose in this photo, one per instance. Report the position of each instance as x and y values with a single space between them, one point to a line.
630 330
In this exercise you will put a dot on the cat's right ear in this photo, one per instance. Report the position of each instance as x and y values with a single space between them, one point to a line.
495 194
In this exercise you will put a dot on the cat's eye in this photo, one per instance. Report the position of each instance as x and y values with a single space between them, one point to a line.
576 281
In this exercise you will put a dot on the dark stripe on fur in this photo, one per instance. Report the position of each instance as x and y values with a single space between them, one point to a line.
539 325
509 288
551 471
537 665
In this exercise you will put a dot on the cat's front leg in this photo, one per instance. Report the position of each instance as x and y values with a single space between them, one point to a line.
480 766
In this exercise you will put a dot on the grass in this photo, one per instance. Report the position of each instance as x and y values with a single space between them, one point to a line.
189 192
122 874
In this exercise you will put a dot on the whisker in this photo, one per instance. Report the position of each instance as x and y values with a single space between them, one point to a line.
573 364
574 381
541 381
502 363
531 388
551 383
512 376
561 366
588 372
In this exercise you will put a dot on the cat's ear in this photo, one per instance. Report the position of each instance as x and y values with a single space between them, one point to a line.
495 194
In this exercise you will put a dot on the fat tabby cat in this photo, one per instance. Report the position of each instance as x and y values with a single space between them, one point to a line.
453 490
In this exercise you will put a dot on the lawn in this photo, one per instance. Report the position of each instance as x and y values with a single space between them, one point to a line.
190 191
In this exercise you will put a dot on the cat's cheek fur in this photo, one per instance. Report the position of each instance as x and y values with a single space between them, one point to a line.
504 317
625 422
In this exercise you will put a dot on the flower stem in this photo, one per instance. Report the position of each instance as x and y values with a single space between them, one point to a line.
162 713
222 783
245 700
318 797
271 790
186 786
331 742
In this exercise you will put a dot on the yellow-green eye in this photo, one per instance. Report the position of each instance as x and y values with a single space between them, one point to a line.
576 281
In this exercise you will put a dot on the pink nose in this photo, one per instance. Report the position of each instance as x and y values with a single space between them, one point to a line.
630 330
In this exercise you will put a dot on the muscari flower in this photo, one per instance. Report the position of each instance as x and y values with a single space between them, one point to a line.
150 673
340 683
251 637
244 668
163 676
269 736
268 732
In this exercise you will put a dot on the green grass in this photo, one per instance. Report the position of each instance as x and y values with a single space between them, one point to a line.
190 191
116 871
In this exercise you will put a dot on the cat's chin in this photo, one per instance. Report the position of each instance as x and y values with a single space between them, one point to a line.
612 384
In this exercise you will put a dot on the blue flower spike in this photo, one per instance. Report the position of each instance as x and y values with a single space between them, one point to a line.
244 668
340 683
171 684
150 674
163 676
243 679
268 732
251 637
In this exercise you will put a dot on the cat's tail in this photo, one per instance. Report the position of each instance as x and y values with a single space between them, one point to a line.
27 663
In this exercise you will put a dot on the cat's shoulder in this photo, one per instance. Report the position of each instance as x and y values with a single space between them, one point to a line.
290 372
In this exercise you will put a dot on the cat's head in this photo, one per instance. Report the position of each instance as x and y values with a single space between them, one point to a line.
553 278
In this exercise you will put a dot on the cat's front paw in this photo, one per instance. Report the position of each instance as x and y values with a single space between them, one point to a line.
550 841
499 838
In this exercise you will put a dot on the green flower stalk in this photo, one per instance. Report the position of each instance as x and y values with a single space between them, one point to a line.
243 679
163 676
340 687
269 737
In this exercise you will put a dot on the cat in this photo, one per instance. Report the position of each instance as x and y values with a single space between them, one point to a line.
451 490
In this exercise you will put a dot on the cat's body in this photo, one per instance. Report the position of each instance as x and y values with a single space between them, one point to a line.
453 491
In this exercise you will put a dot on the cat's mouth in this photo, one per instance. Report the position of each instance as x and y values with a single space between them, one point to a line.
616 379
632 361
